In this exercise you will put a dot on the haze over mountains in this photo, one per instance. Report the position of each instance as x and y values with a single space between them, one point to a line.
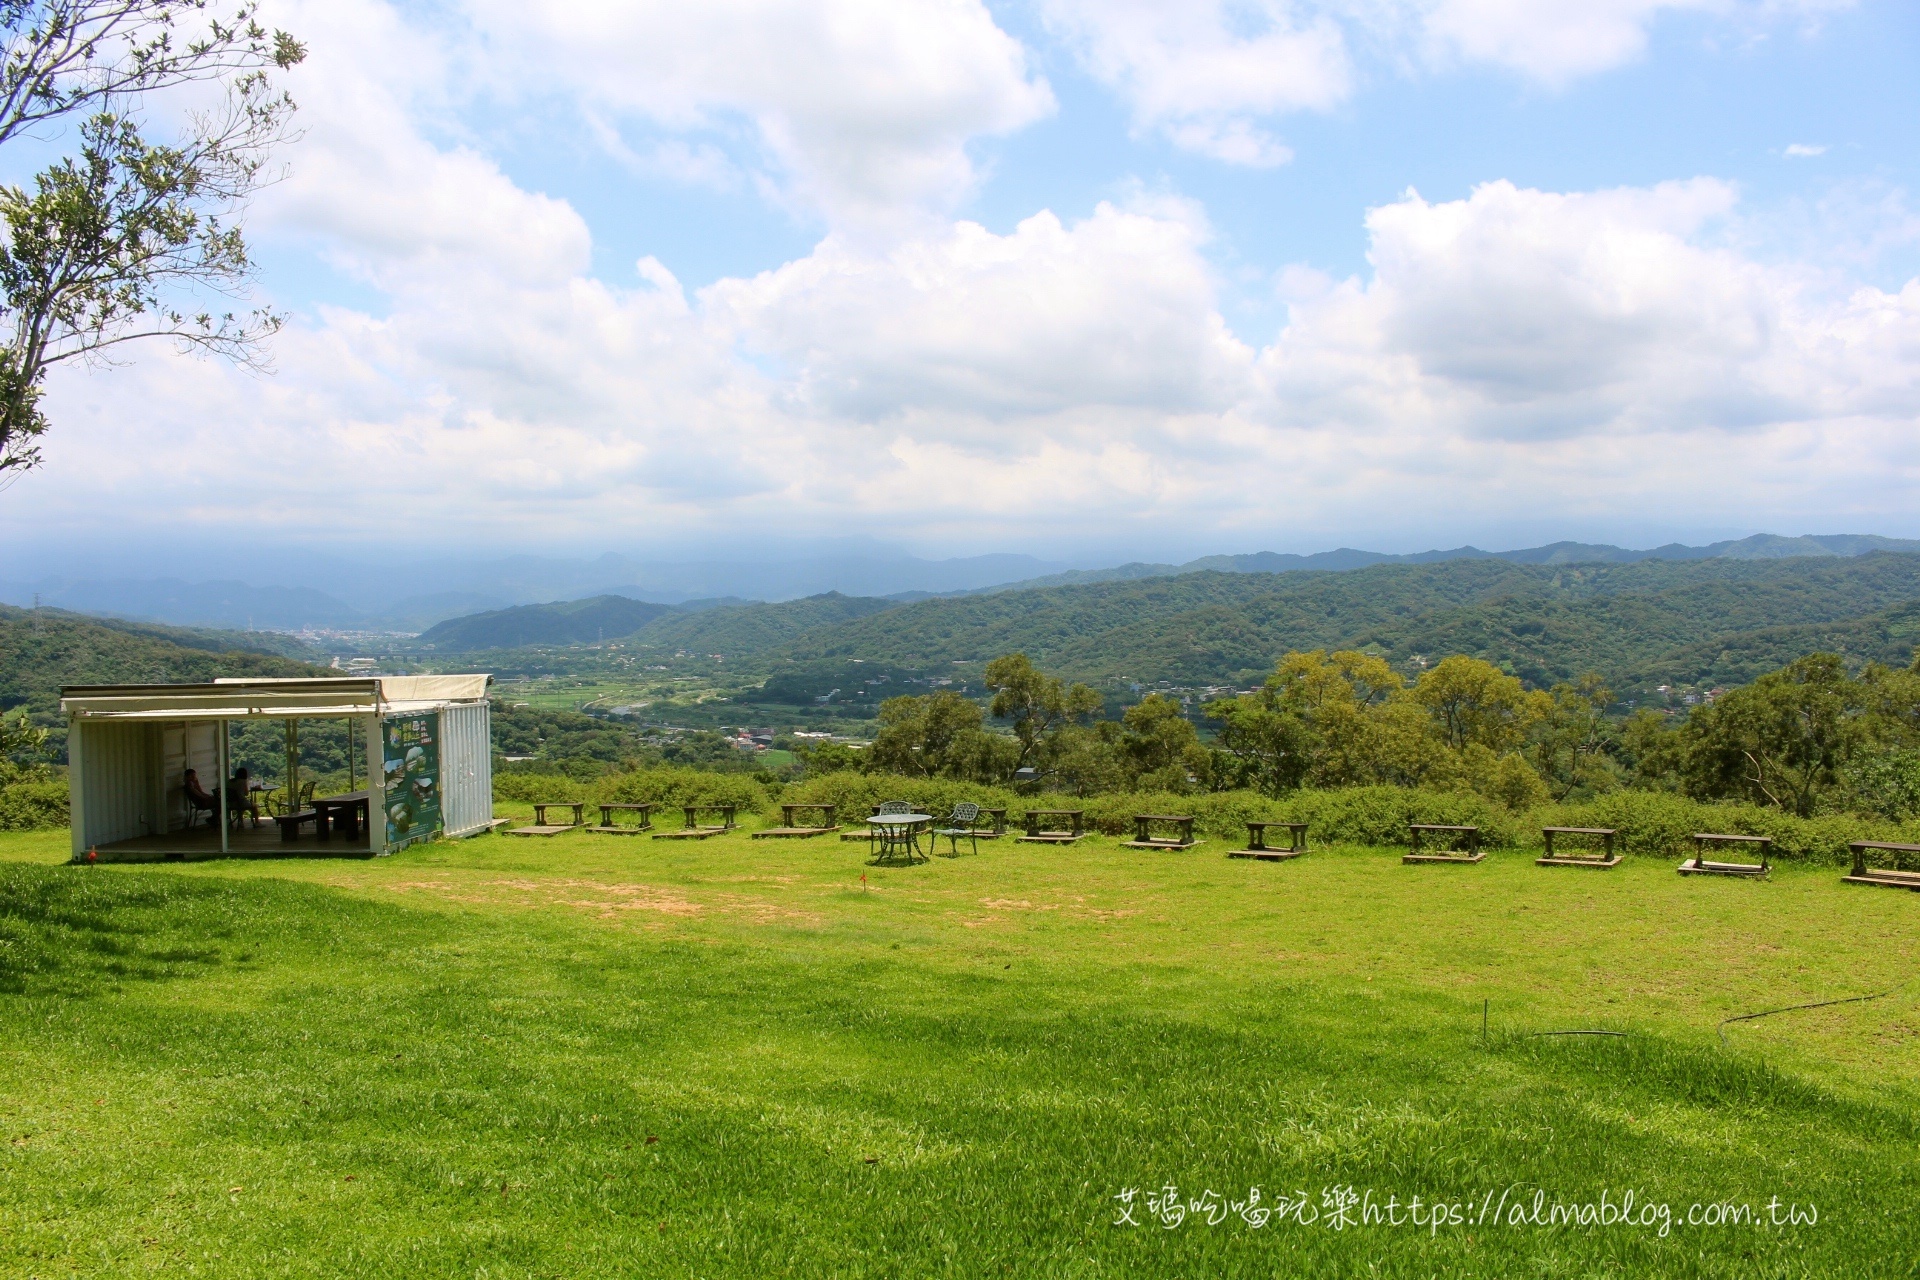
311 592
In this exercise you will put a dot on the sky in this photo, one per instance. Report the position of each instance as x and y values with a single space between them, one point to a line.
1089 280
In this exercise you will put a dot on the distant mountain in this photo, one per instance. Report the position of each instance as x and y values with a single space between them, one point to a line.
222 603
1761 546
562 622
1639 623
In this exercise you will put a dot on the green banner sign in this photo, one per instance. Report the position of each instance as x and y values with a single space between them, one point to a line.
413 778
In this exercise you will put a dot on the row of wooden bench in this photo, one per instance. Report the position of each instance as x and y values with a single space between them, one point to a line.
1065 826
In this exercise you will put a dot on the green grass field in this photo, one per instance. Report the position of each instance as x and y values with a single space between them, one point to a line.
618 1056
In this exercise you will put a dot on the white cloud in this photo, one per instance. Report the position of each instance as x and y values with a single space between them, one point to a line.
864 107
1802 150
1530 315
1555 42
1204 71
1210 75
1118 309
368 186
1548 359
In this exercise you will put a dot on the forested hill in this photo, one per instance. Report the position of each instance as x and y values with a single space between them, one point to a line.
586 621
40 650
757 628
1640 624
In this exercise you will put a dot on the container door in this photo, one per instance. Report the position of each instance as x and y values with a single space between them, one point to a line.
466 767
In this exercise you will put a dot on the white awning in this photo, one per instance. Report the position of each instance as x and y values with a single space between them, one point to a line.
243 699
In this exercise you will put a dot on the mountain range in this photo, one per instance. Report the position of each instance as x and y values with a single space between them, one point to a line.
1640 623
294 592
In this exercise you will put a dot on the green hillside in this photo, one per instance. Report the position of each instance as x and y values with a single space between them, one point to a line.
1640 624
44 649
746 630
586 621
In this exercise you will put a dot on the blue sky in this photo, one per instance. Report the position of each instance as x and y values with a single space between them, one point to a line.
1084 280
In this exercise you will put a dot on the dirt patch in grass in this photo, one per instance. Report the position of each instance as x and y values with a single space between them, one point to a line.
607 901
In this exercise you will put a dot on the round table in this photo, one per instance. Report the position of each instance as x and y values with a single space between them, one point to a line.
898 833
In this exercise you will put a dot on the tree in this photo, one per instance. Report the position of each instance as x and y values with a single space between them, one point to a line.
828 756
1162 748
1571 739
1473 701
1654 753
936 735
23 747
1038 705
1316 720
1786 739
126 238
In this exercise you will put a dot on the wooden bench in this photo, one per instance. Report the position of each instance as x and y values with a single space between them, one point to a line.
791 829
1607 857
1699 866
609 827
694 830
1257 846
1040 822
541 827
290 823
1143 837
1886 877
999 817
1469 836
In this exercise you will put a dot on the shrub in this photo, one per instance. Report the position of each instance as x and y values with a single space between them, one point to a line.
1653 823
671 786
529 788
1380 815
33 804
855 795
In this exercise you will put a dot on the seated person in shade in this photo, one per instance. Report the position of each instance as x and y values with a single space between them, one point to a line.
198 797
240 797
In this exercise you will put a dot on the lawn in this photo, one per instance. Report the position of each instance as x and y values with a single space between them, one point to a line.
601 1056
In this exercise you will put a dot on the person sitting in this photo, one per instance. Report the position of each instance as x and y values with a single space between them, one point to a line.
199 799
240 798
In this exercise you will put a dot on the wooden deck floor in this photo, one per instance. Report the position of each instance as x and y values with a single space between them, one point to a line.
245 842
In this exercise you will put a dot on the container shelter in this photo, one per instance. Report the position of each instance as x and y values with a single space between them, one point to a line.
427 764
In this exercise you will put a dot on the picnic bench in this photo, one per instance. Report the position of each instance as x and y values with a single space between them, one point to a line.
1886 877
1467 836
290 823
694 830
1042 826
347 813
609 827
1606 856
1702 841
1257 846
541 827
789 827
1143 837
999 827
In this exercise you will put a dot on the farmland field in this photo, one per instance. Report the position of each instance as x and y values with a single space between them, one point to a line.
599 1056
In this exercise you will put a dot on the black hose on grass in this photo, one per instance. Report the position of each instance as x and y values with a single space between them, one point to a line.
1721 1030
